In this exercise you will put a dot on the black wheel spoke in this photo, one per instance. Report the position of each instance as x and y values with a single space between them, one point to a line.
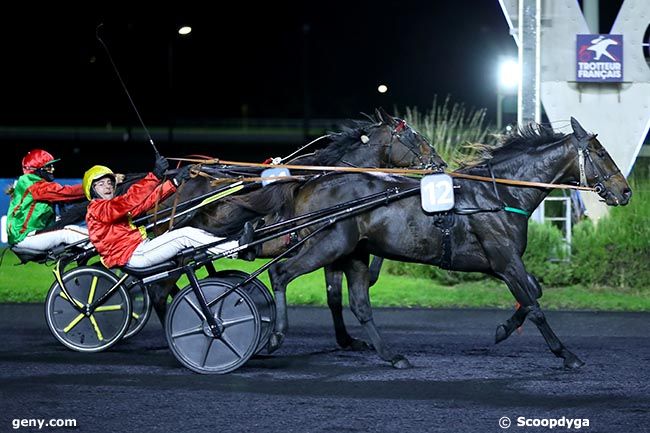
236 321
195 307
189 331
207 351
226 341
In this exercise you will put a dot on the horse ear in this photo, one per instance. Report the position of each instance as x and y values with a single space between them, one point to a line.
385 117
578 130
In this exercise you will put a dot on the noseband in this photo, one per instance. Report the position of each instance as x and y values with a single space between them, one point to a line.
396 132
599 175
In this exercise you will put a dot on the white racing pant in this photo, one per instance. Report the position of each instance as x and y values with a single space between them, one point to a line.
48 240
154 251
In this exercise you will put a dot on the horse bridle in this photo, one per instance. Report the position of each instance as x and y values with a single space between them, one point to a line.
599 175
413 148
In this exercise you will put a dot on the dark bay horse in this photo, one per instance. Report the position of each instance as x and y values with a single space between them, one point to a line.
479 234
383 141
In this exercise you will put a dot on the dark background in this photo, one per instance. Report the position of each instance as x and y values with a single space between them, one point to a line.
245 65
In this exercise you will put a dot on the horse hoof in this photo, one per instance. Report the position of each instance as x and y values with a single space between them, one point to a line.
501 334
400 362
275 341
356 345
573 362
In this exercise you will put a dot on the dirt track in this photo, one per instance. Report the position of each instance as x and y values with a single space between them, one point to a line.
460 382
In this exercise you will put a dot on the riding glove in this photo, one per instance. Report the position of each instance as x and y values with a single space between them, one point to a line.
161 167
182 175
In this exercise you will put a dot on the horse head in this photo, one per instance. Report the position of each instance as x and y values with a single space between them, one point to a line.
597 168
405 146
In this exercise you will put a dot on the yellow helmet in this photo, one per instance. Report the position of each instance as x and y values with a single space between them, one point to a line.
95 172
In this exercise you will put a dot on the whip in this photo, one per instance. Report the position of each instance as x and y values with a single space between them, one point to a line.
124 87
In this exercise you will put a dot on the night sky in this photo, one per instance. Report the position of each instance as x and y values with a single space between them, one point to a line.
243 59
265 59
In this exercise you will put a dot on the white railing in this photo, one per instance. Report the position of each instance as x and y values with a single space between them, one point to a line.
565 219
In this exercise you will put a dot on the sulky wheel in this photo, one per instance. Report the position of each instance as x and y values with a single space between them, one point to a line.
99 329
191 340
262 297
141 306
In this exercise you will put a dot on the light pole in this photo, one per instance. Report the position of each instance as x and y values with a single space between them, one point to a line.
508 84
508 81
181 32
306 83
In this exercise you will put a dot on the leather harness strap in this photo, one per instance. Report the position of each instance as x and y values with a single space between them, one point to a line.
444 222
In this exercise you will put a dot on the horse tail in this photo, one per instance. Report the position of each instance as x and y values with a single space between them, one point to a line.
230 214
278 198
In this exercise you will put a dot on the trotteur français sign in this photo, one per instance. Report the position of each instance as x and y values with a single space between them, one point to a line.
599 58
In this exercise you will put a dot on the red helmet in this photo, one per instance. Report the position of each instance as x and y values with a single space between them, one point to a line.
35 159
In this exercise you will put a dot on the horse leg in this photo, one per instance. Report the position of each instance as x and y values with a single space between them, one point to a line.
308 259
173 291
158 300
159 292
334 281
536 316
515 276
517 319
356 271
509 267
375 268
504 330
534 283
281 325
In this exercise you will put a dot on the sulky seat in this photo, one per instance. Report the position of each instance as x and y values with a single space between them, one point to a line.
151 270
26 255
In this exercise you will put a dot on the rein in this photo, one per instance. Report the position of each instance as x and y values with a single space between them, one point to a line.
522 183
583 153
175 205
311 167
275 161
404 171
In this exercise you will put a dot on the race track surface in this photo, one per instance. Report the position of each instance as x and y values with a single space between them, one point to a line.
461 381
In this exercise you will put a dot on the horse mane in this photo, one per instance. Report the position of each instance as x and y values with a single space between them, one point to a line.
532 135
343 142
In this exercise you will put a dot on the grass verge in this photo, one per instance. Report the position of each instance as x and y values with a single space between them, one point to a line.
30 283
